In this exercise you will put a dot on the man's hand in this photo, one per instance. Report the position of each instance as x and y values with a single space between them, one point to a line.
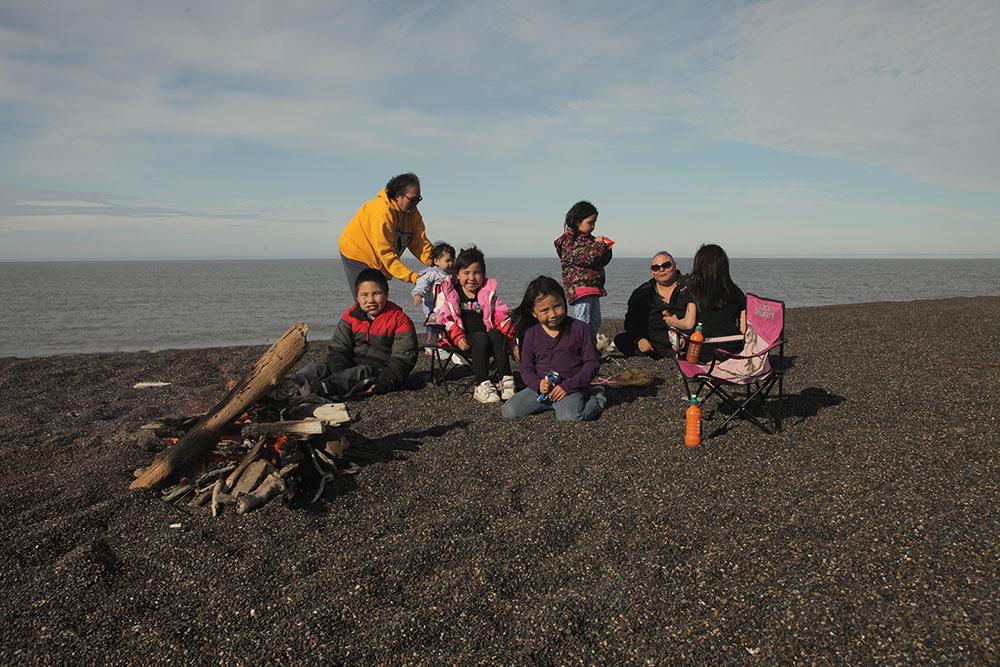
644 345
463 345
557 393
418 299
544 386
516 351
371 390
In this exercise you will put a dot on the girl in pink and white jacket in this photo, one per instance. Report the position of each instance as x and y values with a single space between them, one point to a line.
477 322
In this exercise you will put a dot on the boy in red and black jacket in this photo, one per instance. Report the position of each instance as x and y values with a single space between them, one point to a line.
373 348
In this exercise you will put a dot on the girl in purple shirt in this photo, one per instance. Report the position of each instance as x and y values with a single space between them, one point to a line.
553 342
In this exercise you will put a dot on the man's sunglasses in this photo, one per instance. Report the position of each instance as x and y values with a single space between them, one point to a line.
661 267
416 199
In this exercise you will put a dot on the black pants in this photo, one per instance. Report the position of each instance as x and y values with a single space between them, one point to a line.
484 345
317 379
627 346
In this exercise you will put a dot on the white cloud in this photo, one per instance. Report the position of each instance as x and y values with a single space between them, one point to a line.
912 86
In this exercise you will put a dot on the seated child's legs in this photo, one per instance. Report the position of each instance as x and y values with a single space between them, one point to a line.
315 379
486 345
479 354
501 355
524 403
347 382
594 406
298 384
579 406
570 409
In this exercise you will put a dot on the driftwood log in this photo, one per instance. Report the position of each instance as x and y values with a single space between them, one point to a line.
272 486
270 368
302 427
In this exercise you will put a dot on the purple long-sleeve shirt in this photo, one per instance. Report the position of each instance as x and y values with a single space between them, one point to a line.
573 355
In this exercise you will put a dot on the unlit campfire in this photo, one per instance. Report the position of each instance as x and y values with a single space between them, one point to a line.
244 452
256 459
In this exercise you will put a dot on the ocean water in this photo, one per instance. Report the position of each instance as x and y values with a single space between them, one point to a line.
68 307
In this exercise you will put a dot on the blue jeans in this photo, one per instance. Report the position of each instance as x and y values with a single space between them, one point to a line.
576 407
588 309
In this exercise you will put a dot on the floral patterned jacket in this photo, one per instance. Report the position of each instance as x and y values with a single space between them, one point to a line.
583 259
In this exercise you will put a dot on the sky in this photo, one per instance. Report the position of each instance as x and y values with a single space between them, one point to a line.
807 128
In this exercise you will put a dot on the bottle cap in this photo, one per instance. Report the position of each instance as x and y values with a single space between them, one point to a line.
693 400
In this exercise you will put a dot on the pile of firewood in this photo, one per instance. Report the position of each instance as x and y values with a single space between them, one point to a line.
256 461
243 452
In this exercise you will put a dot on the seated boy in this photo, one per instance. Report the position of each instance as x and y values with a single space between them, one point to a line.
373 349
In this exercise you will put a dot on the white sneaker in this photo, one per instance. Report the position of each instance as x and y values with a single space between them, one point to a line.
486 393
506 387
601 342
457 359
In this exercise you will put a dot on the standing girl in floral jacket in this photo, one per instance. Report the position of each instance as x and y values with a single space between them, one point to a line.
477 322
583 257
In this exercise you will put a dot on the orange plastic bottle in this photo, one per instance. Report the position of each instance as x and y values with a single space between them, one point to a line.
694 345
692 423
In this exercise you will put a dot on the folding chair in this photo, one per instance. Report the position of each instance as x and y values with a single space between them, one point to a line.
754 368
446 359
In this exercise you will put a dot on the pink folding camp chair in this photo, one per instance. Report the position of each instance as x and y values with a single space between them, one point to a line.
753 368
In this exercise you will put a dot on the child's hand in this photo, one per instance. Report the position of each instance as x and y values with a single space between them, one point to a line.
544 386
557 393
417 299
463 345
516 351
644 346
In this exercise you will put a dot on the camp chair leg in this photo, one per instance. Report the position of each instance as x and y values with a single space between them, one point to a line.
781 383
737 411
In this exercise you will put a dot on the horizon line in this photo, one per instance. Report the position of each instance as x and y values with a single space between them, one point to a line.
10 260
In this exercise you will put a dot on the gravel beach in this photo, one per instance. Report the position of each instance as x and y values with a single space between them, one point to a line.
867 531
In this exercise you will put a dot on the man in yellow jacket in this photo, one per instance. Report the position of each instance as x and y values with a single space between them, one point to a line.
383 227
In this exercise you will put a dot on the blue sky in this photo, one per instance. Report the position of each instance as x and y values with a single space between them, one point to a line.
248 129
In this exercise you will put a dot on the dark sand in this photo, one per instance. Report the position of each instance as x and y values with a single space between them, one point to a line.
866 531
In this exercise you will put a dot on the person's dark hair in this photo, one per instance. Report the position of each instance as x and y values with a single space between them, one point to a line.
371 276
709 284
523 316
467 257
398 185
441 249
579 212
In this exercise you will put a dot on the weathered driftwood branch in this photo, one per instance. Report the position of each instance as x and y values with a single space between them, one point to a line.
249 458
302 427
251 477
216 492
272 486
271 367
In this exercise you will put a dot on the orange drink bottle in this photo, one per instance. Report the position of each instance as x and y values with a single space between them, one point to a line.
694 345
692 423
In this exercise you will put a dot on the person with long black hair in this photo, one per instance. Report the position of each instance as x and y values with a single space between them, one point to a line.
720 306
551 341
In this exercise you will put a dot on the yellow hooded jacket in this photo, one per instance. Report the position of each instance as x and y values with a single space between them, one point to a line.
378 233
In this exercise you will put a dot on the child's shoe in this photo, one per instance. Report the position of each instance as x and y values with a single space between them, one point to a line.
486 393
506 387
